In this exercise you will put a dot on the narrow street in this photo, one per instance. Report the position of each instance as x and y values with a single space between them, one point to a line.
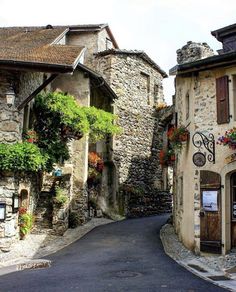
122 256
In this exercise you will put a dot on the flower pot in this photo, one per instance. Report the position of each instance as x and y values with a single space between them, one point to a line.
183 137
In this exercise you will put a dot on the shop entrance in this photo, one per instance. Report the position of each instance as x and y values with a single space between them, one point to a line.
210 212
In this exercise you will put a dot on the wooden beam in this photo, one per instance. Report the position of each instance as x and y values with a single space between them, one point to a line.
40 88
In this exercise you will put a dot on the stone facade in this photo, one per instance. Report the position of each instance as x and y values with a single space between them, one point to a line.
11 125
196 106
193 51
139 88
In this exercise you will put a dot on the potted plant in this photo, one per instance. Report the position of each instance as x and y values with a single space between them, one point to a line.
96 165
25 222
177 136
30 136
229 139
167 157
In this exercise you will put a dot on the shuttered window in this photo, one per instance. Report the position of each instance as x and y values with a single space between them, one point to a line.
222 100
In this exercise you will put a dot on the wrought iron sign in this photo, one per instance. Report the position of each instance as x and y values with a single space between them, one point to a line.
201 141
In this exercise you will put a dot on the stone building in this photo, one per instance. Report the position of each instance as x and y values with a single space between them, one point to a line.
85 61
39 59
204 196
137 82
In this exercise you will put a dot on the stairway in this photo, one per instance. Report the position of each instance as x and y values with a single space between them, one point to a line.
43 214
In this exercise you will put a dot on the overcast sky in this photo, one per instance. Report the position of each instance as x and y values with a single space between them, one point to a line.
159 27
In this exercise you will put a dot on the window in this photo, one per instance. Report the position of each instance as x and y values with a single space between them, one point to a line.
108 44
222 99
145 85
234 95
156 93
187 105
28 117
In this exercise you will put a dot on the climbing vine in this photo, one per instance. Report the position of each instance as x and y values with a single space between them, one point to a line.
58 118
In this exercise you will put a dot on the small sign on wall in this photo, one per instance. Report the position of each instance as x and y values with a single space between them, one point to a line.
209 200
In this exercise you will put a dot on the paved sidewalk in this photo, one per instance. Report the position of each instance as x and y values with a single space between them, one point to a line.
219 269
28 253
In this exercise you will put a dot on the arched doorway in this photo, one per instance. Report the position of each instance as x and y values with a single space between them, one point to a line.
24 199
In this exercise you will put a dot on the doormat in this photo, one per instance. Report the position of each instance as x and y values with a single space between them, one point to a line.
219 278
196 267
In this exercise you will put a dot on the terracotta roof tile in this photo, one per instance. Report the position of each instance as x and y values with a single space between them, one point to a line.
35 45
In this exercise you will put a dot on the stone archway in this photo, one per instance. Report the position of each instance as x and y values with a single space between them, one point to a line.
24 199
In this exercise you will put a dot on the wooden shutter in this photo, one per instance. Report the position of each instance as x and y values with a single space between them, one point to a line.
222 100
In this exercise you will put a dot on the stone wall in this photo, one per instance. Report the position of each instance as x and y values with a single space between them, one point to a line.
193 51
93 42
136 150
201 89
24 185
159 202
11 123
77 85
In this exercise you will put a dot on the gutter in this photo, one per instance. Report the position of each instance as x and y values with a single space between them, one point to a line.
36 66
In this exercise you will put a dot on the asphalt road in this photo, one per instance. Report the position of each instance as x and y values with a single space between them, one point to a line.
122 256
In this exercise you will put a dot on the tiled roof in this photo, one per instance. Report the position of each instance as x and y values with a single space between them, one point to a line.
35 45
140 54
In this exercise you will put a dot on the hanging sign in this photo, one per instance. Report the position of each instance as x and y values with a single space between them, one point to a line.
199 159
209 200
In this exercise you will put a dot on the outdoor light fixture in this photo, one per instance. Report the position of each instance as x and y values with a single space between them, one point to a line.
10 96
15 203
2 211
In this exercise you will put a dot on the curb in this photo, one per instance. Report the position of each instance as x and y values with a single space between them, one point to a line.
229 284
27 265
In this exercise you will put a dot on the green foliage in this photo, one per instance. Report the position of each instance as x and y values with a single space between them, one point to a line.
21 157
58 114
61 198
101 123
26 223
65 109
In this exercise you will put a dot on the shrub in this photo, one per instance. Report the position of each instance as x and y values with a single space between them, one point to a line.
25 223
61 198
21 157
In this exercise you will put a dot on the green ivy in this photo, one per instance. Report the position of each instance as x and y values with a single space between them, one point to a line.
21 157
56 112
101 123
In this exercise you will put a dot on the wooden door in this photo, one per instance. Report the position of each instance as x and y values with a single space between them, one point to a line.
210 213
233 210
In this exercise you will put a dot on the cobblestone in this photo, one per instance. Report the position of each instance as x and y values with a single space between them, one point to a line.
175 249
